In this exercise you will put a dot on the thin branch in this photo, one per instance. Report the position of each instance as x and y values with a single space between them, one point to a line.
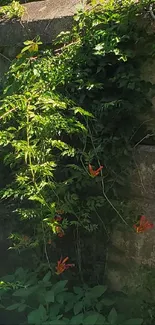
78 251
5 114
151 11
5 57
65 46
45 249
102 182
144 122
146 137
102 222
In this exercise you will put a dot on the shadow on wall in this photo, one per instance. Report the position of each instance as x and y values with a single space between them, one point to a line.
7 55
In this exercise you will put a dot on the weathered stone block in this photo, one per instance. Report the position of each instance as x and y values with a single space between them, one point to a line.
131 253
44 18
143 176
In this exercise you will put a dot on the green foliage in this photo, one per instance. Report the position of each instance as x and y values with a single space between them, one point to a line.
82 102
7 2
42 133
46 303
14 10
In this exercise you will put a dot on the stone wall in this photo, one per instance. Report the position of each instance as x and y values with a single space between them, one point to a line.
131 253
44 18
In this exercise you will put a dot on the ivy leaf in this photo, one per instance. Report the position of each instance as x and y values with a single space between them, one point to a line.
112 317
78 307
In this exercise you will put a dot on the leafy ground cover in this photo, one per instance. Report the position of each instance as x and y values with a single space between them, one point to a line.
14 10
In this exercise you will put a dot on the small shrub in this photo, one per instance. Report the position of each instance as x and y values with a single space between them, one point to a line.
47 302
14 10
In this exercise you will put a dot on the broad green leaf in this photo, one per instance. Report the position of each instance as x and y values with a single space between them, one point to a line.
47 277
98 291
25 292
26 48
99 306
28 42
8 278
76 320
79 296
54 310
42 312
112 317
60 298
59 286
133 321
69 306
107 302
22 307
13 307
78 290
101 320
20 273
34 318
49 296
87 300
91 319
78 307
58 322
69 296
37 316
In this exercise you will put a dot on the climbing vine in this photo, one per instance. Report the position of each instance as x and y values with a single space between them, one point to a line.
70 118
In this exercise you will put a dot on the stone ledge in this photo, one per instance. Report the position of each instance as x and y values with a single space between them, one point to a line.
15 33
49 9
44 18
